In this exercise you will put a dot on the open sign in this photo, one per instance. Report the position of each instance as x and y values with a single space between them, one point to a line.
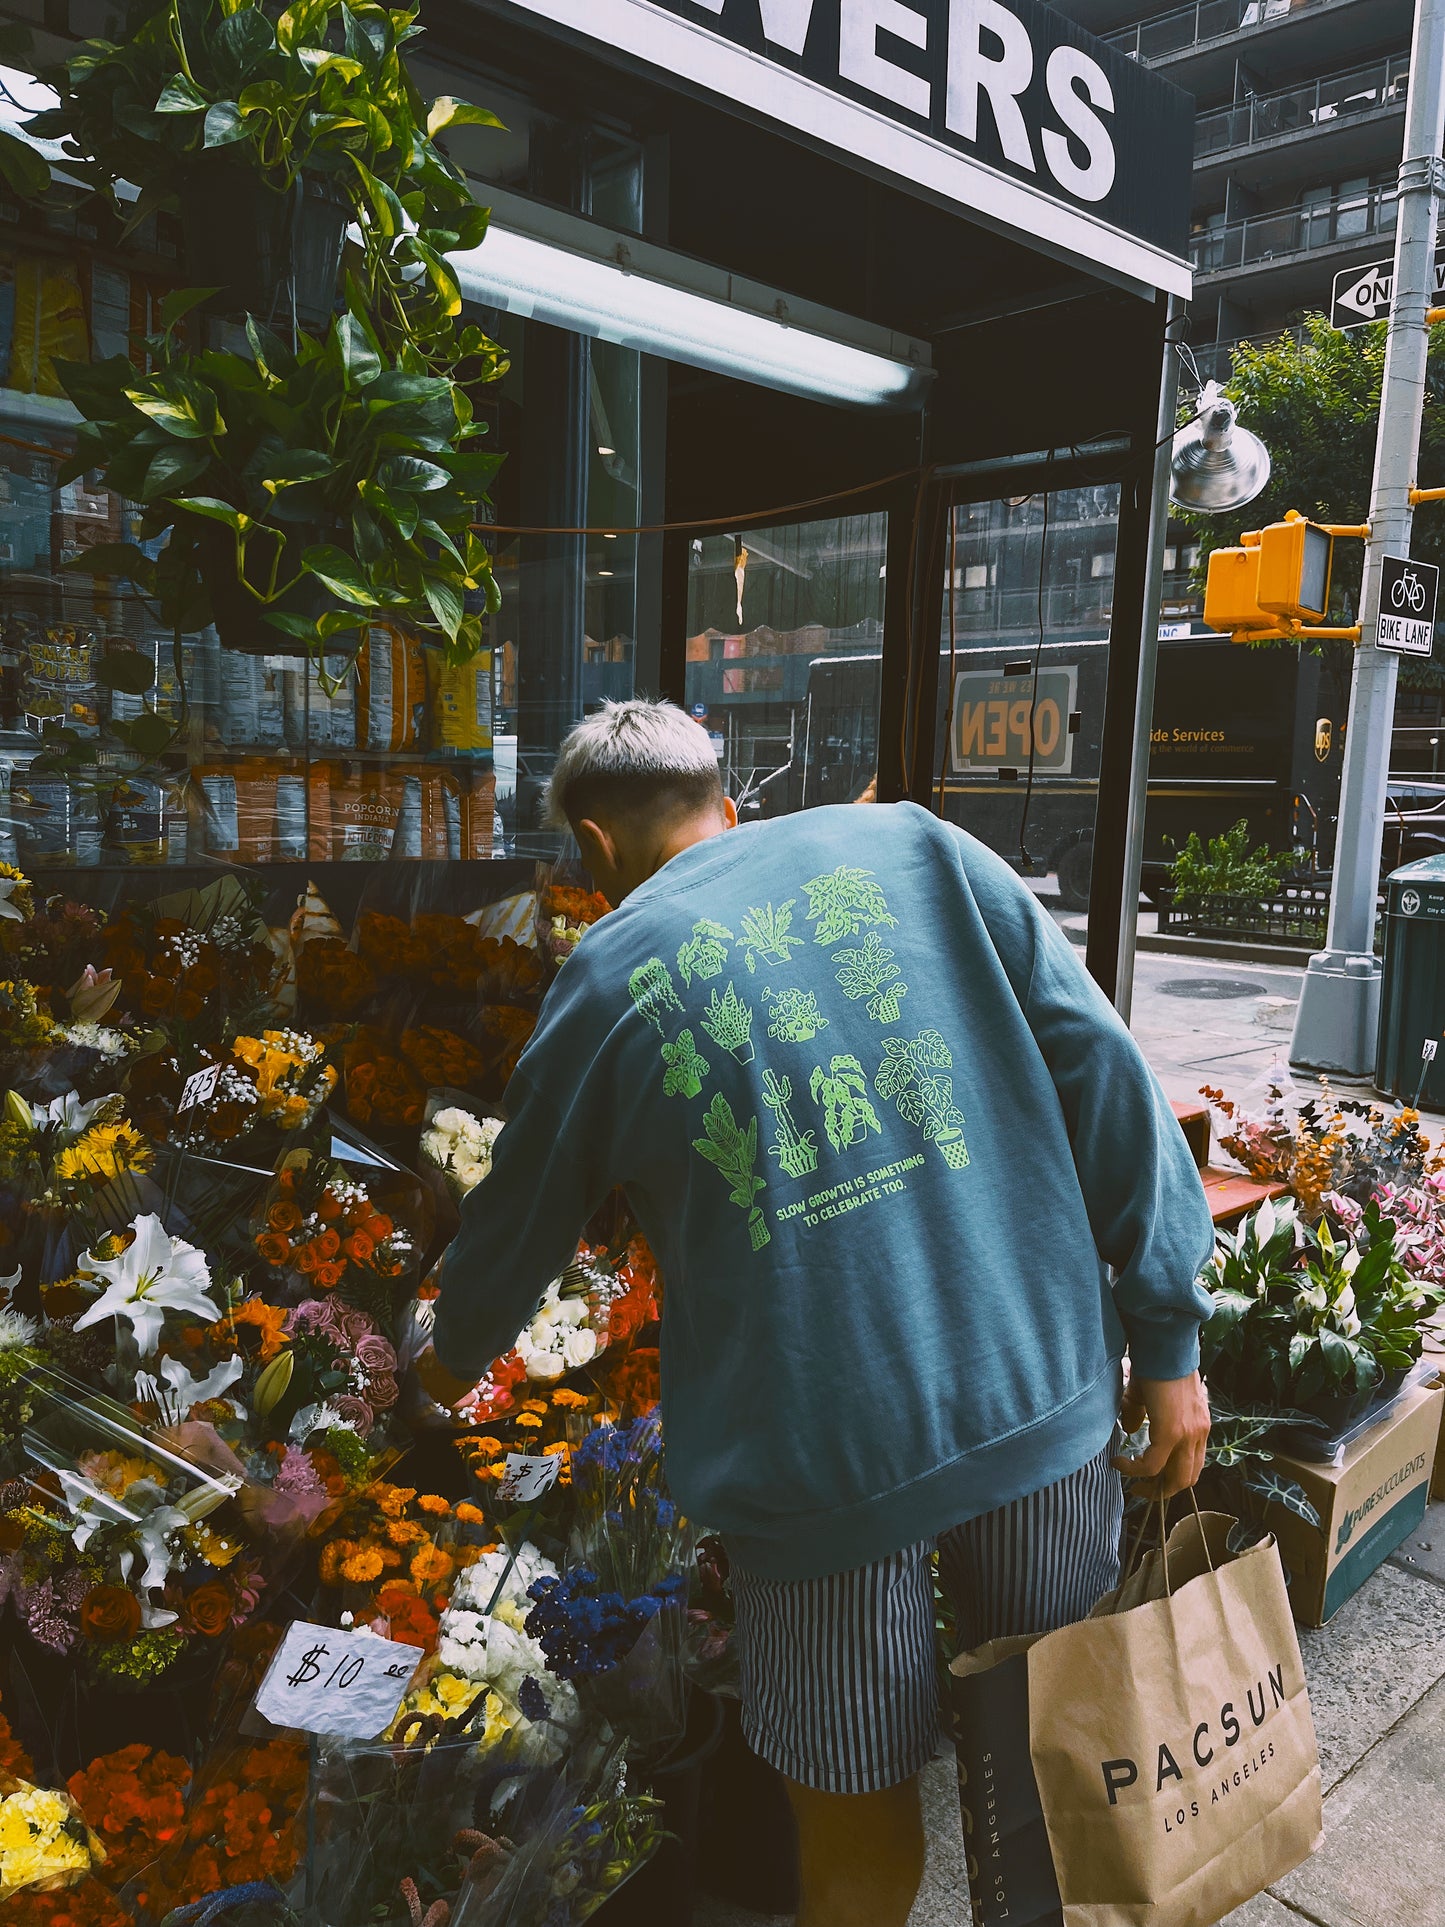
999 722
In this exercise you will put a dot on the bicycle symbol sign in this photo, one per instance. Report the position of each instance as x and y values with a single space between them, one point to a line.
1408 593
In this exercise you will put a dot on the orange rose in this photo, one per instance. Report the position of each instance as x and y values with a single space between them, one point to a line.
307 1258
274 1247
328 1244
379 1227
359 1247
283 1215
110 1612
329 1209
329 1276
208 1609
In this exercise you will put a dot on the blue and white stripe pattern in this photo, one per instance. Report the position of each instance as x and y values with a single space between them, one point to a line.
840 1674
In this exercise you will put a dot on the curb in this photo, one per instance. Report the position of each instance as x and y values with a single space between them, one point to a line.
1258 953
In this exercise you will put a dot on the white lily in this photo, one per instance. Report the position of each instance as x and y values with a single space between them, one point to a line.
9 1286
174 1399
10 912
155 1274
69 1112
153 1541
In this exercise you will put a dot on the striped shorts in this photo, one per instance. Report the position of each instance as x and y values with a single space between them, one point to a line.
840 1674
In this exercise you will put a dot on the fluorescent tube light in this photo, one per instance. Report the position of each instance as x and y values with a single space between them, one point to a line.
611 302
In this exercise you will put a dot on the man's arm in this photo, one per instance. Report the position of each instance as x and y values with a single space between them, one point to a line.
519 1229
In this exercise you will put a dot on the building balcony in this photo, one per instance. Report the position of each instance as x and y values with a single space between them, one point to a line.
1298 250
1198 45
1277 136
1215 359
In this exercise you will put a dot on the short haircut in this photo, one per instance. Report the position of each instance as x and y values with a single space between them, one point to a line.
630 758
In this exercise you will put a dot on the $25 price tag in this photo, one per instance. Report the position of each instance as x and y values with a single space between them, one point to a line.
525 1478
325 1681
199 1087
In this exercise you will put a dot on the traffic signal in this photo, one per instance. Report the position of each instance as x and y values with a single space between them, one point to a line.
1294 569
1277 577
1231 592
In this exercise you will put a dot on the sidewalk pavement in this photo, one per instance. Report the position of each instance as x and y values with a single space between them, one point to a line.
1376 1671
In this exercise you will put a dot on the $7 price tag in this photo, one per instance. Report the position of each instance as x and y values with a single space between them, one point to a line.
325 1681
526 1478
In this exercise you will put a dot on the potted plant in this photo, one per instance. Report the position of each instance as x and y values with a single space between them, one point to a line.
1311 1317
269 131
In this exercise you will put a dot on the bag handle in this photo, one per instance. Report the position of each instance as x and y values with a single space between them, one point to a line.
1135 1556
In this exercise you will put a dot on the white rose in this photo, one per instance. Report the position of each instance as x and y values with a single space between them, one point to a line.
470 1174
545 1366
579 1348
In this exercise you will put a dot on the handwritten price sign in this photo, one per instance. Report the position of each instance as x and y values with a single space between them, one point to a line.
525 1478
325 1681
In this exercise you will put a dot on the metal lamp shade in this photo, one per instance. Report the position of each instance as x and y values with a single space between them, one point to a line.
1217 466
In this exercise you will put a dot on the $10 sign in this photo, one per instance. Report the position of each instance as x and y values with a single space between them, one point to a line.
325 1681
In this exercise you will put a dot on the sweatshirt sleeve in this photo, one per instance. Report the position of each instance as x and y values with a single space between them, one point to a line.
1142 1190
519 1229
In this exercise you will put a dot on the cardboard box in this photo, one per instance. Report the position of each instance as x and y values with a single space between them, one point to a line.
1368 1505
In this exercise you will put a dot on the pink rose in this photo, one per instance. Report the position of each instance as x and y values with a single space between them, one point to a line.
381 1391
355 1411
374 1354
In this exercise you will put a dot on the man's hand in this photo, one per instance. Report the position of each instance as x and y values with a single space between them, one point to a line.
438 1383
1178 1414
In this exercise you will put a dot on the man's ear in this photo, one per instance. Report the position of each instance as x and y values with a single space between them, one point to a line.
730 812
599 852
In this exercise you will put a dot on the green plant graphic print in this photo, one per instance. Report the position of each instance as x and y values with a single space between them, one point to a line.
872 973
685 1069
795 1150
729 1023
705 954
911 1076
841 903
652 990
764 933
735 1152
842 1090
796 1018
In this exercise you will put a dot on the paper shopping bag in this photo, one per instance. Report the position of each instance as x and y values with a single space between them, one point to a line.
1152 1766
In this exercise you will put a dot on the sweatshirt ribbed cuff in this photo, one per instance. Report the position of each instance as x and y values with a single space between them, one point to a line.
1163 1347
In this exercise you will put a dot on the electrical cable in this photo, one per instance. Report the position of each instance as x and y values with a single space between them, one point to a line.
952 651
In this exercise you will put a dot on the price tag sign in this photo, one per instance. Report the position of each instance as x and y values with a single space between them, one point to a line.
325 1681
525 1479
199 1086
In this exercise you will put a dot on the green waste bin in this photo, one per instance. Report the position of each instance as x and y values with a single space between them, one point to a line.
1412 990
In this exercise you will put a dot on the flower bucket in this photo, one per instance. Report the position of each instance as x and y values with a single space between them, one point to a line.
662 1893
744 1799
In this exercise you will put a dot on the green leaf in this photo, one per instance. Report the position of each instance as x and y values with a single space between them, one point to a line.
24 170
341 573
114 558
360 355
445 602
292 624
214 510
223 125
1339 1353
179 302
292 466
273 357
180 96
409 475
243 41
400 511
1300 1346
370 543
387 212
182 405
446 111
173 468
127 670
303 24
151 734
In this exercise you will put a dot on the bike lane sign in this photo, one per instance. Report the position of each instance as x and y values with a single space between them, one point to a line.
1408 594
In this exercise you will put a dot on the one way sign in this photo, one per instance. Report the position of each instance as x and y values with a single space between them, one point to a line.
1363 294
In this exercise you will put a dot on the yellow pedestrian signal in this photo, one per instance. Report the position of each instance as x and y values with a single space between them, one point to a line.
1231 592
1294 569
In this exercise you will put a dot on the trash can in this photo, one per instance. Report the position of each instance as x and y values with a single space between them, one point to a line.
1412 989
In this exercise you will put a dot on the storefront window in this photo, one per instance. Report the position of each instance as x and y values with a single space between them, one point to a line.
1021 706
784 658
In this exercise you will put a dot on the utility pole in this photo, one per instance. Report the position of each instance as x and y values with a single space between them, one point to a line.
1335 1027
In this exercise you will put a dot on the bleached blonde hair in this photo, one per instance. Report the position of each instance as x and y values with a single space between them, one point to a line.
630 757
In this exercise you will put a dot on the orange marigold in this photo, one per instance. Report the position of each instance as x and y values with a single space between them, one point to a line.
406 1532
470 1515
566 1400
363 1565
333 1557
487 1447
431 1564
391 1499
433 1502
528 1421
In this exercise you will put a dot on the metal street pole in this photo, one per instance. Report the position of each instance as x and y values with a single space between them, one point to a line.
1148 666
1335 1027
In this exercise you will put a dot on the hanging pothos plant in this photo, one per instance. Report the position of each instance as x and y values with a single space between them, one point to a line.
313 485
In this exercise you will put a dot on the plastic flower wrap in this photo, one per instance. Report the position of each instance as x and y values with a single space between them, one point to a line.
278 1079
130 1548
460 1146
320 1227
613 1622
44 1841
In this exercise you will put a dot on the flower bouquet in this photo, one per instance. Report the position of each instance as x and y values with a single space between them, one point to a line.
320 1230
458 1146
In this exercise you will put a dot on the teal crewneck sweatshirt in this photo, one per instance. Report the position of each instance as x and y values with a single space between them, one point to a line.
908 1178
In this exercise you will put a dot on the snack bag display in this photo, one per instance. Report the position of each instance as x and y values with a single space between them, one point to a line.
461 703
59 682
390 689
146 820
320 703
251 700
365 807
49 324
